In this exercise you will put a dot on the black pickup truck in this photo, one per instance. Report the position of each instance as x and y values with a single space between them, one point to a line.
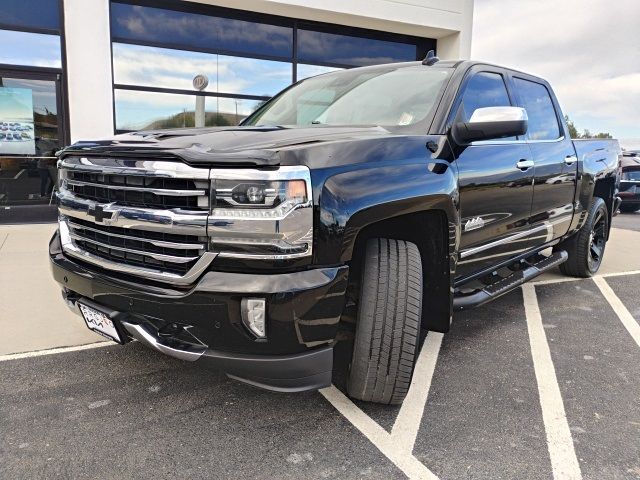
374 201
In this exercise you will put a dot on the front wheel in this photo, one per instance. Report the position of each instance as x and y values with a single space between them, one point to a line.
586 248
388 324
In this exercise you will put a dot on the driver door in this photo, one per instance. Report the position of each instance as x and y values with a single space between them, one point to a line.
495 181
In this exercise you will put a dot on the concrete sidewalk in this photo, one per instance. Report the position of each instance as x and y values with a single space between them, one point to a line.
34 317
32 313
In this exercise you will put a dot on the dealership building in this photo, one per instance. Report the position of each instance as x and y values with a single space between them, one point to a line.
86 69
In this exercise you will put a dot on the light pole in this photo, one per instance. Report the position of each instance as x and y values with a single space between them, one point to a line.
200 82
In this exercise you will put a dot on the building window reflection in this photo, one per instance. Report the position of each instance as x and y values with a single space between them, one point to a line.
246 57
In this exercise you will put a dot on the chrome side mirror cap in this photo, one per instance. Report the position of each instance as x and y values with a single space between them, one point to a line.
491 123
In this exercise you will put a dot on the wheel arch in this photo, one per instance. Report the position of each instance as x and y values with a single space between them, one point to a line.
435 237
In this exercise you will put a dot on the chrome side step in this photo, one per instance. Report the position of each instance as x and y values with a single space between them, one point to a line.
511 282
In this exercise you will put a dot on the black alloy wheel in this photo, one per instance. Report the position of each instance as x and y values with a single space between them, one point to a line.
597 240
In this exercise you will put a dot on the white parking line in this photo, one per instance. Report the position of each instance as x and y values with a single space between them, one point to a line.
52 351
405 429
559 442
576 279
618 307
377 435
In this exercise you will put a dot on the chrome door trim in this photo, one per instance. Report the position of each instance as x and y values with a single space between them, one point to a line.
502 241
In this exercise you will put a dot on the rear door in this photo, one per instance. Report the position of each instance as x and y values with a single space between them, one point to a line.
495 181
556 164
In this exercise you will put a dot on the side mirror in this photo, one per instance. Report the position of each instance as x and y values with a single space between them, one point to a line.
490 123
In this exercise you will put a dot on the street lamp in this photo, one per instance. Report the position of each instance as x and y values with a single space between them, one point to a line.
200 82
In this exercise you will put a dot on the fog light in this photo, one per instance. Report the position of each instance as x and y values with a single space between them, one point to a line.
254 315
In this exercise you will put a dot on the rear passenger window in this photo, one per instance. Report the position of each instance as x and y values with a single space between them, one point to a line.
535 99
483 90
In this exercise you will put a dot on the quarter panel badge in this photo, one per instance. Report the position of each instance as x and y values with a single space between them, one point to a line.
473 224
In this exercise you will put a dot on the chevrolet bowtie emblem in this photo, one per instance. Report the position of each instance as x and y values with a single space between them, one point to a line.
98 213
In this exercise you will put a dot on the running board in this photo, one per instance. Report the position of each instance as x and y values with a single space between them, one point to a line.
513 281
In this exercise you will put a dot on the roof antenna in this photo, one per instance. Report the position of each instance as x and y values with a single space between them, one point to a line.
430 59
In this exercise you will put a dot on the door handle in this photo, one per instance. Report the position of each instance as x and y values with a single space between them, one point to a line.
525 164
570 159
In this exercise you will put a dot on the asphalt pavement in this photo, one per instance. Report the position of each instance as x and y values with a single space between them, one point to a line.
542 383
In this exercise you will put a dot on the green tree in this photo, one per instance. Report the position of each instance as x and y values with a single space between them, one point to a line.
586 133
573 131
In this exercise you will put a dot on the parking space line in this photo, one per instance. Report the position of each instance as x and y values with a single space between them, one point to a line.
620 310
559 441
405 429
576 279
52 351
377 435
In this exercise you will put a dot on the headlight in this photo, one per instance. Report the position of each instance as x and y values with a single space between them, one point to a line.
261 214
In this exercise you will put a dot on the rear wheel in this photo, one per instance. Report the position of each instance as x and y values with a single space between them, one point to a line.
586 248
388 324
629 208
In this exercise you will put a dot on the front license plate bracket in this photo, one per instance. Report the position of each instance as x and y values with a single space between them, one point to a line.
101 320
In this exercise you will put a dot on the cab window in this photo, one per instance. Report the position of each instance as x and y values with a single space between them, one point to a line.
535 99
485 89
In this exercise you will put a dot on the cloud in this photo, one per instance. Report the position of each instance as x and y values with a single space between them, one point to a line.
159 67
587 49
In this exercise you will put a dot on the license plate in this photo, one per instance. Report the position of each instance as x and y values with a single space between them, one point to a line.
99 322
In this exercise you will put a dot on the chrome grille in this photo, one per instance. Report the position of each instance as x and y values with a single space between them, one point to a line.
132 247
140 191
140 217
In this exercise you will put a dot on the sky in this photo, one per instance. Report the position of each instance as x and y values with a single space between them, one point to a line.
589 50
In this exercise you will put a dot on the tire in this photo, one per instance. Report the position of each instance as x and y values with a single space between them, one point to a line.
388 324
626 208
586 252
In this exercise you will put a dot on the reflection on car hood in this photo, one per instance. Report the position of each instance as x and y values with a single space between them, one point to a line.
258 146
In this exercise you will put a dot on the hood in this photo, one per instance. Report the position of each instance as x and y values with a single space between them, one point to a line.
256 146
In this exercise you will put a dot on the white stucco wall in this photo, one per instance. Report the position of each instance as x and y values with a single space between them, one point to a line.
88 68
88 49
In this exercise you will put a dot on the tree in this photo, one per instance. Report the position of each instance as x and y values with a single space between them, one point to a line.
586 133
573 131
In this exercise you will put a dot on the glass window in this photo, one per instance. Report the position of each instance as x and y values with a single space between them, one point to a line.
150 110
633 175
535 99
306 71
483 90
31 49
31 14
165 68
26 177
319 47
190 30
384 96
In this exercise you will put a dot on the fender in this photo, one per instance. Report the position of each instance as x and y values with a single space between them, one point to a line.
353 200
598 170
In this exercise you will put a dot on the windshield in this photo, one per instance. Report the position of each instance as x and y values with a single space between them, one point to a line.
386 97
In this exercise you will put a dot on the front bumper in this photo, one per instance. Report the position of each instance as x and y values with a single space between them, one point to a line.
204 323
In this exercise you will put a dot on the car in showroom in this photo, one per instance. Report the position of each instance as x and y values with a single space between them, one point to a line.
364 204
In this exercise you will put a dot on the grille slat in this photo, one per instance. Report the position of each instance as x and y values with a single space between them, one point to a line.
155 220
133 236
156 256
138 190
